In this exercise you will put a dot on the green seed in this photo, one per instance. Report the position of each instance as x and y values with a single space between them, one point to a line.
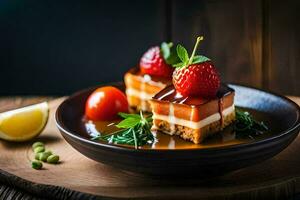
36 164
43 156
39 149
37 144
37 156
53 159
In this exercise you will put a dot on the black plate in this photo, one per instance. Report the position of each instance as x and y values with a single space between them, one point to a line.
281 111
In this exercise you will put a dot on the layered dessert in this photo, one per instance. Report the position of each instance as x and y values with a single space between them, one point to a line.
142 87
192 118
196 105
152 75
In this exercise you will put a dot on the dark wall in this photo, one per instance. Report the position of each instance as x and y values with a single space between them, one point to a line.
58 47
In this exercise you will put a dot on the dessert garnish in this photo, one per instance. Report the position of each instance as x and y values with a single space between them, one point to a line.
158 61
105 103
246 126
135 131
195 75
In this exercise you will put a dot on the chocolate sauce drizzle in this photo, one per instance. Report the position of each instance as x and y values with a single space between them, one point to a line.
169 94
221 111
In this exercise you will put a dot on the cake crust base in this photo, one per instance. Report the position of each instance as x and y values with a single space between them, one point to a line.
137 104
194 135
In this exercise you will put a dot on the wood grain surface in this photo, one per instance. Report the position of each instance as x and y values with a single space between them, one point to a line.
232 35
78 177
250 42
283 46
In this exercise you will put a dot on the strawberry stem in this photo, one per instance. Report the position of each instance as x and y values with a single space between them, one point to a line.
200 38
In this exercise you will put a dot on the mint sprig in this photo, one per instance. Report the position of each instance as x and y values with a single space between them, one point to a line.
135 131
184 56
169 53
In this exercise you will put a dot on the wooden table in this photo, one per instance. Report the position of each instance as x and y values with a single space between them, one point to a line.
78 177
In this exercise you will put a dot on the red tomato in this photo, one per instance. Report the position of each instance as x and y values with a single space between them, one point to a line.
105 103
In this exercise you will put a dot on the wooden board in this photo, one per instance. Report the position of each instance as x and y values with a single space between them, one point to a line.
277 178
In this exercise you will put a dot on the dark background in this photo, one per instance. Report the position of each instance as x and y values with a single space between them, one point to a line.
58 47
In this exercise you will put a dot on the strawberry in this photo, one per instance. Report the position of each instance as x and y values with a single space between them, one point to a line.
157 61
195 76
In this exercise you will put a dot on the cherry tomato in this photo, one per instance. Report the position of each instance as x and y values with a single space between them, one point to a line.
105 103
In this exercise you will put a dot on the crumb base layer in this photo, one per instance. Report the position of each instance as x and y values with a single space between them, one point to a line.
194 135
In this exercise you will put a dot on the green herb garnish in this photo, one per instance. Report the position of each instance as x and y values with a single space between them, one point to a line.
184 56
135 131
169 53
246 126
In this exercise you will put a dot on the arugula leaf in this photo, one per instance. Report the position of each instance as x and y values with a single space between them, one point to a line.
135 131
200 59
246 125
128 122
127 115
182 54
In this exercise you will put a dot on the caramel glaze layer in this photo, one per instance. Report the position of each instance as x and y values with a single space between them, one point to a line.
191 108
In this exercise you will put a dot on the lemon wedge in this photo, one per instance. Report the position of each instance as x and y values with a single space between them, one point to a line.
24 123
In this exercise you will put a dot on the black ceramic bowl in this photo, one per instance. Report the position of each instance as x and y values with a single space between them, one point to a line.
202 162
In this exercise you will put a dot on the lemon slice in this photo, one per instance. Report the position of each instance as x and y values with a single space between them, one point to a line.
24 123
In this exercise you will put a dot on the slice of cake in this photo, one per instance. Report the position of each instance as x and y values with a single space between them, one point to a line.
196 105
152 75
192 118
142 87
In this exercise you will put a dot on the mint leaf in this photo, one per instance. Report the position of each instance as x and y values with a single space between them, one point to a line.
129 122
182 53
179 65
169 53
165 50
199 59
127 115
173 58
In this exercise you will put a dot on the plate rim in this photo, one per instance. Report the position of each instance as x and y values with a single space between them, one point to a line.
281 134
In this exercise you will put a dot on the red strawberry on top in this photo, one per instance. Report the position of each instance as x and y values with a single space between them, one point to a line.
197 80
157 61
195 76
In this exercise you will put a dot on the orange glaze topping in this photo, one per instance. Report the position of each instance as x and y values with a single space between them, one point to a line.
152 84
191 108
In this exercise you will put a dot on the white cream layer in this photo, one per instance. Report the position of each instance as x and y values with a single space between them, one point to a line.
141 94
147 79
191 124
